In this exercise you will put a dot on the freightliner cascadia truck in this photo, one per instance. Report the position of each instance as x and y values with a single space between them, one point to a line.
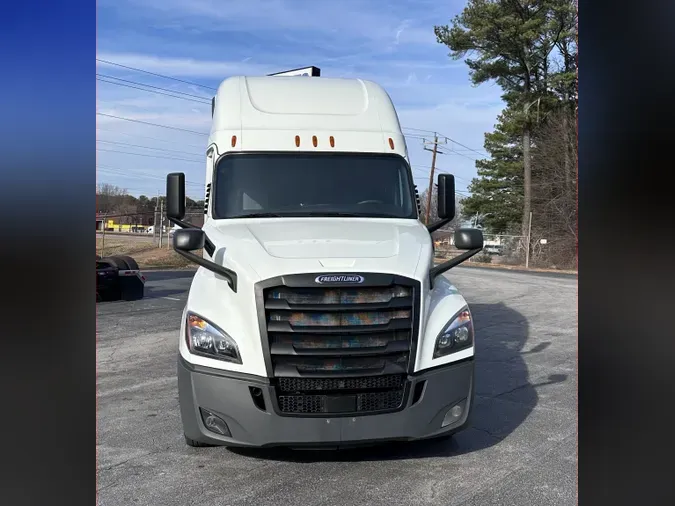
316 316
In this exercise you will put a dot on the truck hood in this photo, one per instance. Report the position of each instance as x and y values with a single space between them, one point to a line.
327 240
265 248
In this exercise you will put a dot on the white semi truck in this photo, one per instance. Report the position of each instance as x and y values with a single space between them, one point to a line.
317 317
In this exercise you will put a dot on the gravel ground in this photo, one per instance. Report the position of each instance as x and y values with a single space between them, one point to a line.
520 449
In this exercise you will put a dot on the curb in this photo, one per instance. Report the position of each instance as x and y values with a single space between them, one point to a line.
150 268
519 270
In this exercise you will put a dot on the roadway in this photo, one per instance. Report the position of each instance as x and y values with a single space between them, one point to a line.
520 448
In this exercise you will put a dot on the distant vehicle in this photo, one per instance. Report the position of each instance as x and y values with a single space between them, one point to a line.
118 278
494 249
151 230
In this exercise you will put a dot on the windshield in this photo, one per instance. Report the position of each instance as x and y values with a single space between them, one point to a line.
312 184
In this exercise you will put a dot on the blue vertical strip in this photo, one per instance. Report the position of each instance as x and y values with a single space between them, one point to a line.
47 204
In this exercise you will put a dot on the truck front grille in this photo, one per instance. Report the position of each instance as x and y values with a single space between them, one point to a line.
361 403
294 385
339 349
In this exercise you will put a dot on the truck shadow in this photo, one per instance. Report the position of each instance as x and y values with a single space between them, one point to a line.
502 336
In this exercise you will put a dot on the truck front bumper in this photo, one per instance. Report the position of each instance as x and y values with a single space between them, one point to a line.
228 396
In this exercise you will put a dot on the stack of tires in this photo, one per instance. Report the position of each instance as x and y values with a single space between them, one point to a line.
130 283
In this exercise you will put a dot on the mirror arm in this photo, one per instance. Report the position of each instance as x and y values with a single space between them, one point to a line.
228 274
453 262
181 223
440 223
208 245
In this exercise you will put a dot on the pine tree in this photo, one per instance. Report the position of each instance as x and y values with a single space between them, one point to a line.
512 41
497 192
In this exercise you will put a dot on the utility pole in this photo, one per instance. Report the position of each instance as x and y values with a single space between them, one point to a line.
431 175
105 219
161 221
168 234
529 235
155 220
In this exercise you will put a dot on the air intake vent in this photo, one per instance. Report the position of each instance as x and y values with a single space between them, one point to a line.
206 198
417 198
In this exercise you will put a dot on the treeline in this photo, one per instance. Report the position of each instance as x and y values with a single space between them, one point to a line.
529 49
126 209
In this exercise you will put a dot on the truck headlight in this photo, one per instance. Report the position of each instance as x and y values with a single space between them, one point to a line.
456 335
204 338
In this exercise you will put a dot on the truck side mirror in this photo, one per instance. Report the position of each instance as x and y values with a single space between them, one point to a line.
189 239
175 196
468 238
446 197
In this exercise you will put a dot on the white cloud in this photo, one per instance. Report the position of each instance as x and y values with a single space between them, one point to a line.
354 20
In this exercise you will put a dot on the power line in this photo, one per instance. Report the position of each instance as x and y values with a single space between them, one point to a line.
202 99
207 99
146 137
190 211
146 190
461 154
444 171
152 124
152 91
452 152
156 184
141 175
215 89
149 156
173 93
156 75
465 147
205 134
419 130
136 173
148 147
126 188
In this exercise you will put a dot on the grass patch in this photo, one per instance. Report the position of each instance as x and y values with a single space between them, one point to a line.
144 250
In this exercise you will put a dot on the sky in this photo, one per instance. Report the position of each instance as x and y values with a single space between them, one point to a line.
202 42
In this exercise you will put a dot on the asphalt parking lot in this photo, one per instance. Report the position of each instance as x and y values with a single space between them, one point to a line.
519 450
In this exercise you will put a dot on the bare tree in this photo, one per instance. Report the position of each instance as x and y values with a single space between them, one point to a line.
433 214
554 177
108 197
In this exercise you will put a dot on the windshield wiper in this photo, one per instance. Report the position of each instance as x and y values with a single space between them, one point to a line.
350 215
316 214
336 213
259 215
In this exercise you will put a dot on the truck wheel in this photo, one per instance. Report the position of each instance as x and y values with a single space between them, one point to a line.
195 444
130 262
